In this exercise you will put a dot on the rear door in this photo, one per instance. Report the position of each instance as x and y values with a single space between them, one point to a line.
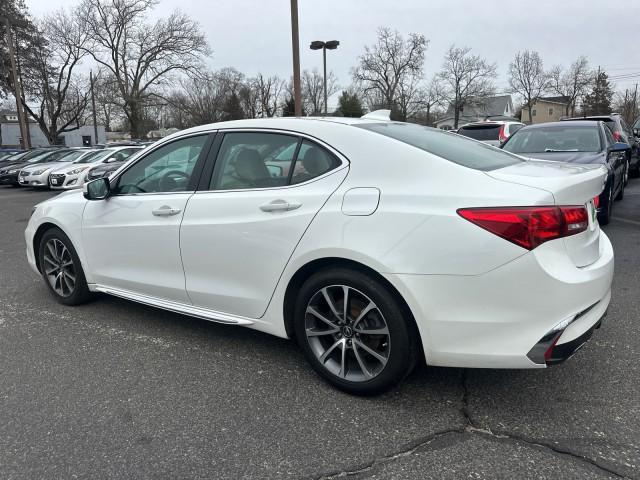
241 228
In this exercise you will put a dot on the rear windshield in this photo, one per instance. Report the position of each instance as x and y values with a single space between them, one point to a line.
485 132
452 147
556 138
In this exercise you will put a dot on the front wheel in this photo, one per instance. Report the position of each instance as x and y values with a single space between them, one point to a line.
353 331
61 269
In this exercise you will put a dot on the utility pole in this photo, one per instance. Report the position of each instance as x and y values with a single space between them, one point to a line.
24 133
93 104
295 42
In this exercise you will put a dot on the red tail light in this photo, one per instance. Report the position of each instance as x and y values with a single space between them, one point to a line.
596 201
617 136
529 227
501 134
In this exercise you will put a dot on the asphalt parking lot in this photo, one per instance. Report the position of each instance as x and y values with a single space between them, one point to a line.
114 389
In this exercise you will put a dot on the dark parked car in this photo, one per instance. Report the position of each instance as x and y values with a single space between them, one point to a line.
578 142
9 170
490 132
5 153
622 132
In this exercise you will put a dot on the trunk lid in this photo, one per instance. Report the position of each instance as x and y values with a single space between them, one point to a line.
570 184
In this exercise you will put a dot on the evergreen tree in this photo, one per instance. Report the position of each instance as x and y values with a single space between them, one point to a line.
598 102
233 108
349 105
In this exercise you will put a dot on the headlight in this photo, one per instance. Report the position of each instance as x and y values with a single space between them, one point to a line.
77 171
37 172
15 170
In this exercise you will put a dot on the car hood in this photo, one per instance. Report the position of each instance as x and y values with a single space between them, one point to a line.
46 166
13 166
568 157
69 167
108 167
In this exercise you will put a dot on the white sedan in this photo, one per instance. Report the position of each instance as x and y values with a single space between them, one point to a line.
74 175
375 244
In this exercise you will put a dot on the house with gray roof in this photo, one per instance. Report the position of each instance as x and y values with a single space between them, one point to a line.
499 107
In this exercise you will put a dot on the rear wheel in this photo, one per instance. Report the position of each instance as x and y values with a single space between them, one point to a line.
353 331
61 269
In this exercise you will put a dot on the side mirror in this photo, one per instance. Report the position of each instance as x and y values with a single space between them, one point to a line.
110 160
619 147
636 132
97 189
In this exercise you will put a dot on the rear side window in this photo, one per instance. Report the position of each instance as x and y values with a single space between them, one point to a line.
248 160
514 127
489 132
452 147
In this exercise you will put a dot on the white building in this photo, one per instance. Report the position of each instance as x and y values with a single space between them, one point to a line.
10 133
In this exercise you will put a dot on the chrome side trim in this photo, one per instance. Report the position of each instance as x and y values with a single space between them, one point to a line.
172 306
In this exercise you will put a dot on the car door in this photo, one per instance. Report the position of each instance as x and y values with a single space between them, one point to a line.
131 239
616 160
239 232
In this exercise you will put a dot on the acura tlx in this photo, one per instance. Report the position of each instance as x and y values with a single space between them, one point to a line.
374 244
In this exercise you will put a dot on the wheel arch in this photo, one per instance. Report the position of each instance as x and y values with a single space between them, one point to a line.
37 237
310 268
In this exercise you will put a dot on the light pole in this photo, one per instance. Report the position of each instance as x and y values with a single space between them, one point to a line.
295 43
330 45
17 87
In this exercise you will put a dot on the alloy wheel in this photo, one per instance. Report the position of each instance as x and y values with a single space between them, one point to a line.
59 268
347 333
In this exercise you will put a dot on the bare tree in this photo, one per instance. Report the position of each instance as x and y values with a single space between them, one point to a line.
142 57
572 83
269 92
527 77
56 96
465 78
391 68
108 109
313 90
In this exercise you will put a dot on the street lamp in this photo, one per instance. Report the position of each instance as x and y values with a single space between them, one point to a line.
330 45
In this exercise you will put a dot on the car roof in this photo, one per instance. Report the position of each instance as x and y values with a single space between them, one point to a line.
565 123
593 117
489 123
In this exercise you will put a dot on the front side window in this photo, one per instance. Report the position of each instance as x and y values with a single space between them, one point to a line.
166 169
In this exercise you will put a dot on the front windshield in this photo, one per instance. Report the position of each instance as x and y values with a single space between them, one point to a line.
70 156
89 157
41 157
555 138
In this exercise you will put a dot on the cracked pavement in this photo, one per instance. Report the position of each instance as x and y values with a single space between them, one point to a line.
118 390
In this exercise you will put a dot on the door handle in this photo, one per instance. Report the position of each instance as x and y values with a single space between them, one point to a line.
166 211
280 206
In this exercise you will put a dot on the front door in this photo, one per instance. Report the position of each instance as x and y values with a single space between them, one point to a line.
132 238
237 237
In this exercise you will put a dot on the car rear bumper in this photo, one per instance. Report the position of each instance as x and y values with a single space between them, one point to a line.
494 320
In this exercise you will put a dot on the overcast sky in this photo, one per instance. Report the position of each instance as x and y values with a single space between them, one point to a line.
255 35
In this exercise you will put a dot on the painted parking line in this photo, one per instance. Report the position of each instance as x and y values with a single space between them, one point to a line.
626 220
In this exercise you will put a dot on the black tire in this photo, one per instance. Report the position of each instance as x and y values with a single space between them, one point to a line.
604 217
401 341
80 293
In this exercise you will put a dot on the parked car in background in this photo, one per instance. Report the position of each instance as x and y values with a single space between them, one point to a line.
393 243
621 133
490 132
37 176
8 152
112 162
578 142
74 175
9 171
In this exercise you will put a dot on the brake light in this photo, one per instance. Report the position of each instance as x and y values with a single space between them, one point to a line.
596 201
529 227
617 136
502 136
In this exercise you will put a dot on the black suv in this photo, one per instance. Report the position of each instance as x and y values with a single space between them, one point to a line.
621 133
